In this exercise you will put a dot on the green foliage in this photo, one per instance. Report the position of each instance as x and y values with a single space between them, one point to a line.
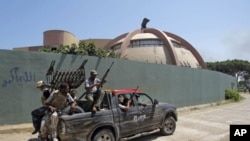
230 67
81 49
237 68
232 95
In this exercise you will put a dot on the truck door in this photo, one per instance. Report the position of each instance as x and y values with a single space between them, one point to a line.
128 119
150 116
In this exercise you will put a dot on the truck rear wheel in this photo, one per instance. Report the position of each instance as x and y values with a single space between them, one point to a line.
76 110
168 126
104 135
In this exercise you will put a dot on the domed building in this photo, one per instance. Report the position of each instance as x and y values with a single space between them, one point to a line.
145 44
156 46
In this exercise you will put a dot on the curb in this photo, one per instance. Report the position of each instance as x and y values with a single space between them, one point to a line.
17 128
203 106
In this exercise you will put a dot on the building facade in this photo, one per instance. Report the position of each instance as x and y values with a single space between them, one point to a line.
156 46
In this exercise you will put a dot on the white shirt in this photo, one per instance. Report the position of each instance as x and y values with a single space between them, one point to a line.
89 82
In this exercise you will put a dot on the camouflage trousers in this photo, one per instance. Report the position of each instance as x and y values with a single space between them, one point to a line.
49 125
95 98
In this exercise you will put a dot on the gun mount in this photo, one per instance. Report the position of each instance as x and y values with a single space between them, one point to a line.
74 78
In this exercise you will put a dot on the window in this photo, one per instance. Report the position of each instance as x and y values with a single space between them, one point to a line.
176 44
188 64
143 99
146 43
123 98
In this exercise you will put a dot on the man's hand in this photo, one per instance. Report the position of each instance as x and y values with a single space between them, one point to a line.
97 84
73 105
129 102
52 109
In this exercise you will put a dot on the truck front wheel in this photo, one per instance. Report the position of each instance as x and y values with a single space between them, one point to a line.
168 126
104 135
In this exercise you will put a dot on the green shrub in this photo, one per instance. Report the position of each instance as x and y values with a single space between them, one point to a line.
233 95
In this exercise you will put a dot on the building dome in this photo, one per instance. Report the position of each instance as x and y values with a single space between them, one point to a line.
156 46
58 38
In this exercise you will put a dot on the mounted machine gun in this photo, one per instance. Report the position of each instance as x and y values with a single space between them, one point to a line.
74 78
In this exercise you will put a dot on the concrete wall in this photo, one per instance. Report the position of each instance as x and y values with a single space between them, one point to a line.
20 70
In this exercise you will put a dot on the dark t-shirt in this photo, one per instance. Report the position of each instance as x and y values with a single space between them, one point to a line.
46 93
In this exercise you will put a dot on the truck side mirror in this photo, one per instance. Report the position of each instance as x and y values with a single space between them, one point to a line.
156 102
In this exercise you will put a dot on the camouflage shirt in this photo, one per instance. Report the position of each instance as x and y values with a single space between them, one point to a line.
59 100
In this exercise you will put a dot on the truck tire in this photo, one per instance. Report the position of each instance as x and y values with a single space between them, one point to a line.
168 126
104 135
76 110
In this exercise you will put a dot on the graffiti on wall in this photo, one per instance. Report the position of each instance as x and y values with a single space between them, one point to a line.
16 76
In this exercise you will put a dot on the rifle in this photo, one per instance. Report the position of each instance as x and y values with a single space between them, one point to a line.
134 93
136 89
104 77
102 81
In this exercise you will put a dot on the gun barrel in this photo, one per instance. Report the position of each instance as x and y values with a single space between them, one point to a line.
104 76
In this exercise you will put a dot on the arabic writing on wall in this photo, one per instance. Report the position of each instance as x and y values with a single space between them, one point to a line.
18 77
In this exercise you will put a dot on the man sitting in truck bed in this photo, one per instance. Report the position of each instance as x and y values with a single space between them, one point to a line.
93 94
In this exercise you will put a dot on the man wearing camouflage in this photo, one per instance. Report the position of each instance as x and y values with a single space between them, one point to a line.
56 103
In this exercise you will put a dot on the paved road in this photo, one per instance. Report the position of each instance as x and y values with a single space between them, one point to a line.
205 124
208 124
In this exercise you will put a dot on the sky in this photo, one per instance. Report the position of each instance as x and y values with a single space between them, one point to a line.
218 29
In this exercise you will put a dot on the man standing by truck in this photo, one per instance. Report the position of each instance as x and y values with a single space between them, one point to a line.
38 113
56 103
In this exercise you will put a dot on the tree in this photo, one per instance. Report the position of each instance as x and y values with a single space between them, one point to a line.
237 68
81 49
